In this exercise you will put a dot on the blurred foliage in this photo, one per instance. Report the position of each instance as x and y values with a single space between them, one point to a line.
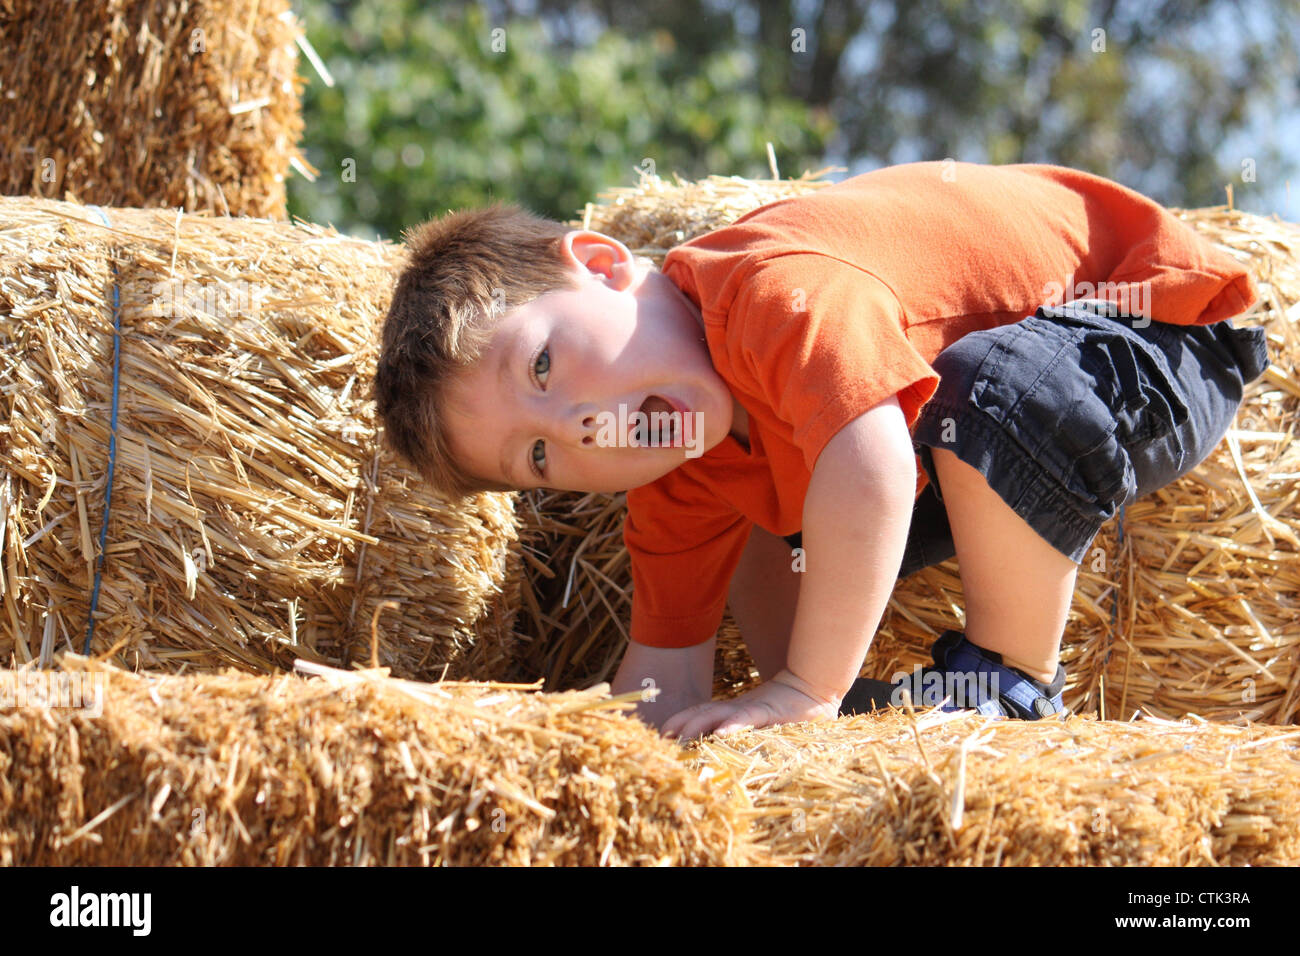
436 112
1157 95
1173 97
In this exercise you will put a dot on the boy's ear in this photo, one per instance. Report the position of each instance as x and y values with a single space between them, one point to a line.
601 255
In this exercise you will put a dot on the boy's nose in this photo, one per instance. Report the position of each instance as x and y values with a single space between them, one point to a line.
578 425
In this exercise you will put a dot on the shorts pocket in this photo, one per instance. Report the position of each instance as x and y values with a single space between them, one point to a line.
1053 389
1248 346
1131 367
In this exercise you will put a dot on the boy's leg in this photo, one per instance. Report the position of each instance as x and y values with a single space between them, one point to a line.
762 598
1017 587
1044 428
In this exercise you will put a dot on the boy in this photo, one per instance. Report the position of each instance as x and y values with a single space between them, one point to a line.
1047 344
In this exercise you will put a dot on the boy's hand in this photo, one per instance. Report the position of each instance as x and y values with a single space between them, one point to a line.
784 699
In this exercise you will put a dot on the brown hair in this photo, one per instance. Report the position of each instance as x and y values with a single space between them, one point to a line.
463 272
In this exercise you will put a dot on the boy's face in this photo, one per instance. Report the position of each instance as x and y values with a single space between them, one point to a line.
557 397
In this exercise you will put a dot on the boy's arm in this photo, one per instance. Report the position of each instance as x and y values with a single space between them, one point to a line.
856 516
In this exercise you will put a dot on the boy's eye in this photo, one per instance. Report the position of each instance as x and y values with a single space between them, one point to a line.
541 366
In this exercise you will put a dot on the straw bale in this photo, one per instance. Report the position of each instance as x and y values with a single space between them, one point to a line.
353 768
255 515
151 103
965 790
359 768
1194 612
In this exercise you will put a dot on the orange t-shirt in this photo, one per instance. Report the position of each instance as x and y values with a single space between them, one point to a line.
820 307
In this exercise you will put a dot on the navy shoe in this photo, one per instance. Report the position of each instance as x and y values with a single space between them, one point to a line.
867 695
967 677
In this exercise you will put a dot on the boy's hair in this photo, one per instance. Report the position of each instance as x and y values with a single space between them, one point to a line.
463 272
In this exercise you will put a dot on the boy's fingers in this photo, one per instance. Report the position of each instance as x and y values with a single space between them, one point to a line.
731 727
674 724
698 728
695 726
711 718
751 716
744 718
702 718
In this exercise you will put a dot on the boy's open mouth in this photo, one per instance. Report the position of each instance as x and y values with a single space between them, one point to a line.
661 427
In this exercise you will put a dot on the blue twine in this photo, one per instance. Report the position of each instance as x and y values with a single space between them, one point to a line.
1114 601
112 447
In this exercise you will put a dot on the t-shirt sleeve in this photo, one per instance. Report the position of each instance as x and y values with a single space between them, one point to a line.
684 544
823 342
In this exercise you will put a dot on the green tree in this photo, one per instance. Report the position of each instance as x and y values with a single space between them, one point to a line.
1173 97
434 112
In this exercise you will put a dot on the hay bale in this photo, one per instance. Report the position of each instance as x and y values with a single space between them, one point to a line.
255 515
964 790
358 768
1214 631
192 105
352 769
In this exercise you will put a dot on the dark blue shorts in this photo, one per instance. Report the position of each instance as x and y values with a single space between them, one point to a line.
1074 412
